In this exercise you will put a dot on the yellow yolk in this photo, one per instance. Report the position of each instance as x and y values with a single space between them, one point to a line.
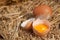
41 28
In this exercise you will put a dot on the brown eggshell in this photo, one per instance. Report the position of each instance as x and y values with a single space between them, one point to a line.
46 32
28 26
42 10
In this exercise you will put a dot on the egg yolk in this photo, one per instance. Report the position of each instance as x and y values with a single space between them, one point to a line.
41 28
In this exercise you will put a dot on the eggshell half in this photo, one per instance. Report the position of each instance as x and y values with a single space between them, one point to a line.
27 24
44 22
44 11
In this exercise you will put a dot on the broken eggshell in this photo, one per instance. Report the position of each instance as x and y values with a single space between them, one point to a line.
43 11
41 27
27 25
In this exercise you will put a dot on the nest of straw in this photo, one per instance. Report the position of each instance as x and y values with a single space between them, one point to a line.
12 15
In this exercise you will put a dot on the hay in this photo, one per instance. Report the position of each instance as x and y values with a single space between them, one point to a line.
12 15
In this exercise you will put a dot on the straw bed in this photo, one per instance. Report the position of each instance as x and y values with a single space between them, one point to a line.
13 13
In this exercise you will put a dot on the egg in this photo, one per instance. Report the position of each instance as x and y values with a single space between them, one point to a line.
41 27
43 11
27 25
